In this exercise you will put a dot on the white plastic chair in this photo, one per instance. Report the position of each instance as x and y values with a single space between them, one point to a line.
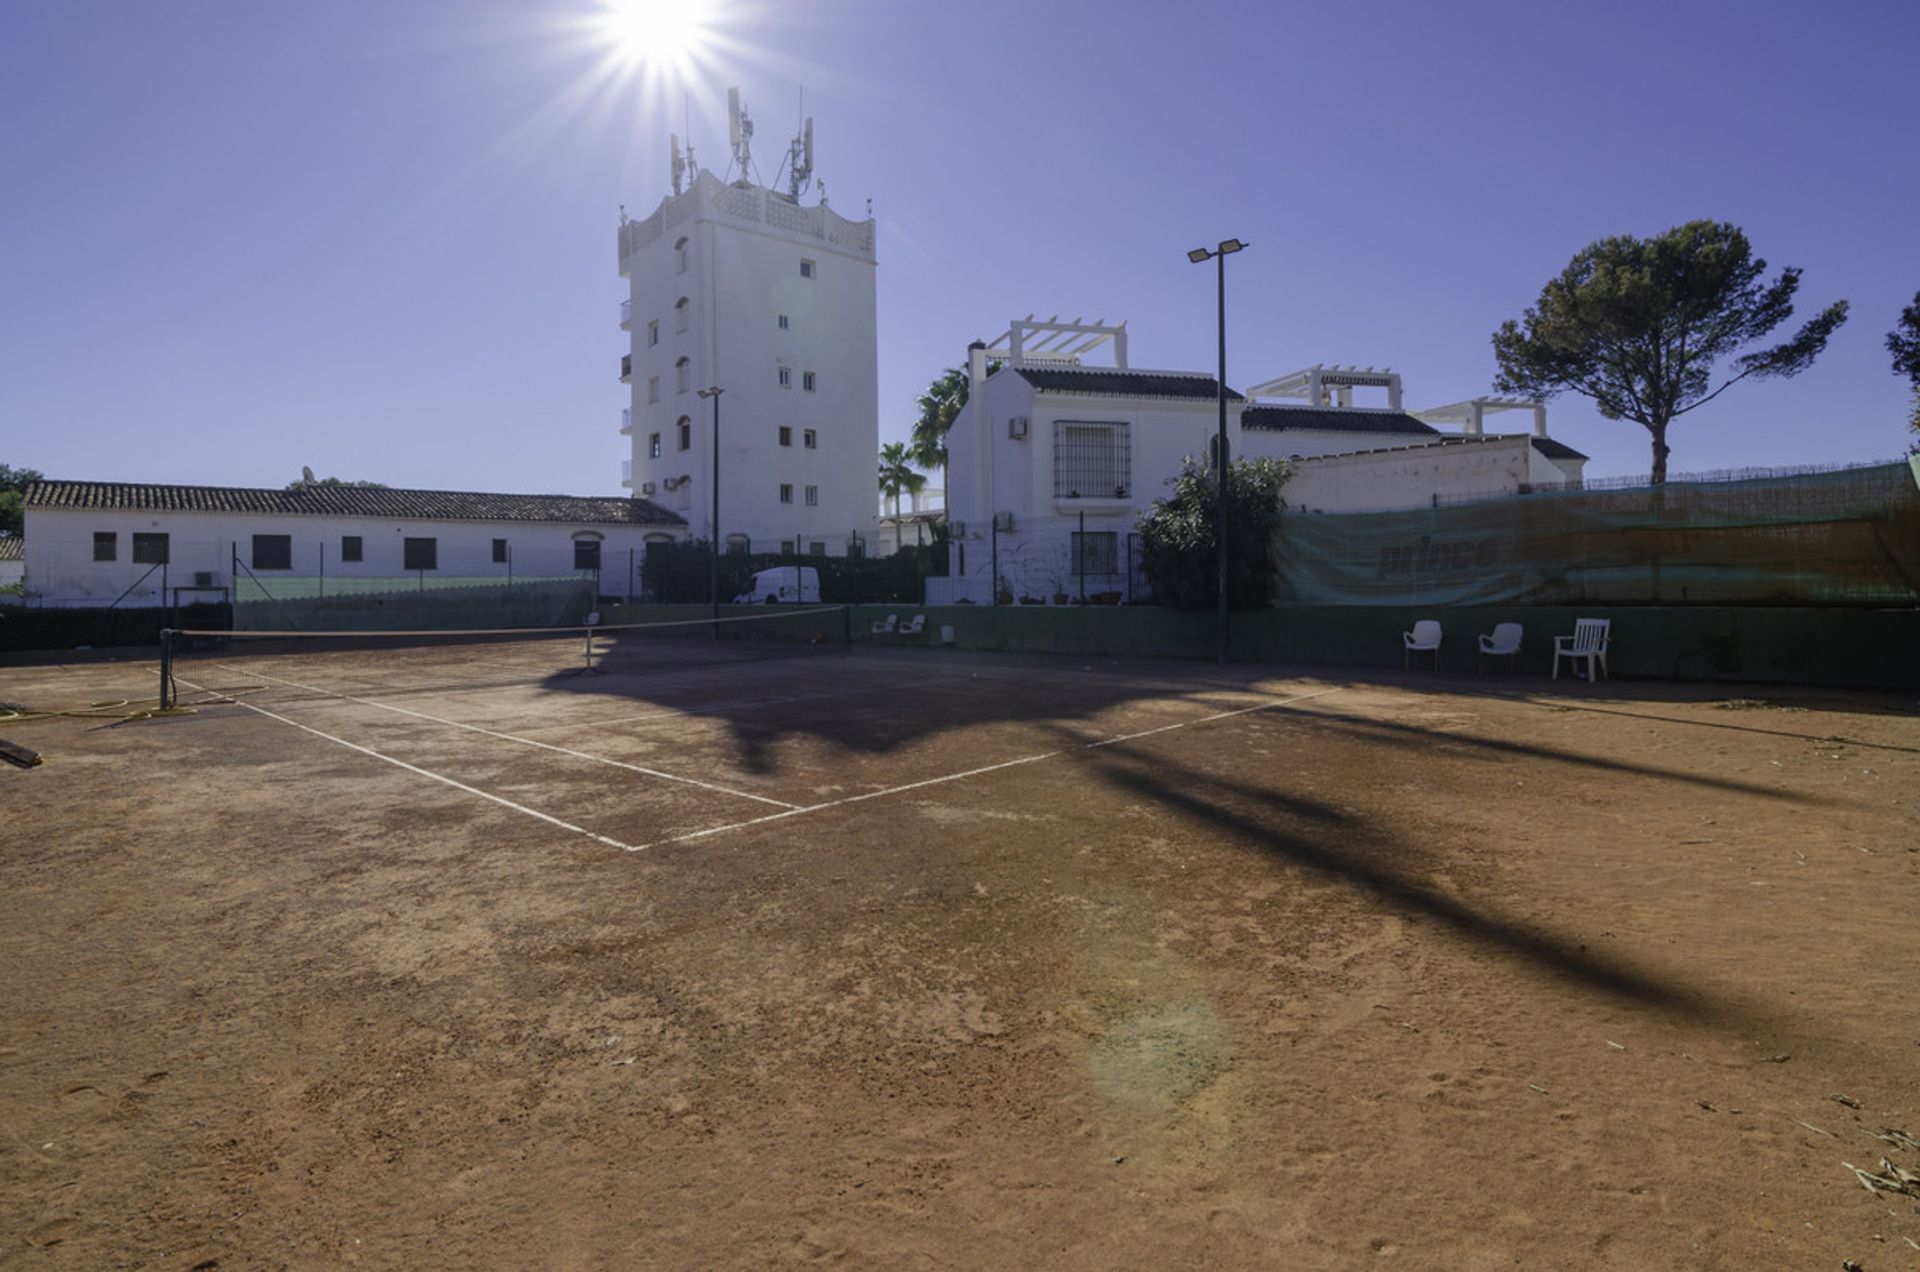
1424 636
885 626
914 626
1589 641
1504 642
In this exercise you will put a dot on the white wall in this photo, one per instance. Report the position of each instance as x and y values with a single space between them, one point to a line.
743 271
1161 434
60 569
1409 477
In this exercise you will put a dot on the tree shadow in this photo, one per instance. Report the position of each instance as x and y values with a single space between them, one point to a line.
1340 846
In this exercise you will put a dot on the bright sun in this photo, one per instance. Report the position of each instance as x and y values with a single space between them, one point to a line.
660 33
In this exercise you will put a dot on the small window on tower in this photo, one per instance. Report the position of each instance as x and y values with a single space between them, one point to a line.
813 496
806 268
786 377
686 433
653 445
653 333
784 324
786 435
810 438
786 492
653 388
806 381
680 310
682 375
680 257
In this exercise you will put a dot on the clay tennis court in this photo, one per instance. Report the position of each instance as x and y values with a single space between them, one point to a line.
908 957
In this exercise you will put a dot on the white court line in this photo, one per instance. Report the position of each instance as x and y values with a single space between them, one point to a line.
414 768
749 705
990 768
545 746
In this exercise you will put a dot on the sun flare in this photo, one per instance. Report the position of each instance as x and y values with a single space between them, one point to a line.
659 33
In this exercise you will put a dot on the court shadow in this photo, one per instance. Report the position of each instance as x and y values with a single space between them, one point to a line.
1351 850
864 705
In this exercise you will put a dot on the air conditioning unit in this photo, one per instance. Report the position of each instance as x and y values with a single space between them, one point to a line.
205 578
1003 521
646 487
1017 428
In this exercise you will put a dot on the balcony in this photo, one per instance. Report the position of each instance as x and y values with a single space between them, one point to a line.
626 368
626 421
626 473
626 315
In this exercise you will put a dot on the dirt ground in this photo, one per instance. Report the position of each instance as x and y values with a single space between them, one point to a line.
920 960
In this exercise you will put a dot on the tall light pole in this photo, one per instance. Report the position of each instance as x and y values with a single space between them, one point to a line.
1198 256
713 512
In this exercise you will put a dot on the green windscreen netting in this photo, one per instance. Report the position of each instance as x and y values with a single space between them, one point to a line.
1844 537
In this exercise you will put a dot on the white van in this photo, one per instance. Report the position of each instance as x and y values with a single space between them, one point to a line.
784 585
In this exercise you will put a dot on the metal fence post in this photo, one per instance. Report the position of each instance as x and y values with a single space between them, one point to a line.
1080 555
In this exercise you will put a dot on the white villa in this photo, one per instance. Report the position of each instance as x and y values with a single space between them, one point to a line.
739 287
1053 461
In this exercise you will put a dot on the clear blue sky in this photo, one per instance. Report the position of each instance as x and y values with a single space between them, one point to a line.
377 238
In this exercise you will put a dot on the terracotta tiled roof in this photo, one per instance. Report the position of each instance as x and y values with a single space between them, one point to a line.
1278 419
1111 382
350 501
13 548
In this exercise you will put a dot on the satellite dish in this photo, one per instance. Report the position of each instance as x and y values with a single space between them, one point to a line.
306 474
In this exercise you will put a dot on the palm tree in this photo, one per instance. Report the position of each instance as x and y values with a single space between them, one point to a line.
897 475
939 407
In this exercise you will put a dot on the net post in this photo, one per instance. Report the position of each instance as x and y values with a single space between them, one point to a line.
167 693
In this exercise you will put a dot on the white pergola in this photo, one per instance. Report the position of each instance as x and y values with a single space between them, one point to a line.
1321 385
1030 340
1471 414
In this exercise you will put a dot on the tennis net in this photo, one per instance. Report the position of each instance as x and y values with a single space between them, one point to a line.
261 666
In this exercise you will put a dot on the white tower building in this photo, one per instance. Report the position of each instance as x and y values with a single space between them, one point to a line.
742 287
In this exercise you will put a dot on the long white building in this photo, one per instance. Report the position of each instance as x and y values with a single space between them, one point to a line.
93 543
740 287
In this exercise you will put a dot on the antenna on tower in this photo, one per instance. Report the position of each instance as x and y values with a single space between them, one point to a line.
740 133
686 114
800 161
679 162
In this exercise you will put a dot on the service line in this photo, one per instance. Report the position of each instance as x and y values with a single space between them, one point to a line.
501 800
510 737
976 772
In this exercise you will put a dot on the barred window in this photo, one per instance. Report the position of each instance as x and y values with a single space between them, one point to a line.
1091 460
149 549
351 547
105 545
1096 552
419 554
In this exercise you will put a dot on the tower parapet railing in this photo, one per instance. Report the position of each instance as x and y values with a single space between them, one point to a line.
750 205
